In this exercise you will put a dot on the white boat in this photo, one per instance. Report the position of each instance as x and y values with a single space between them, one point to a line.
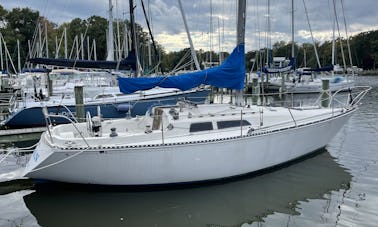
184 143
311 85
27 112
188 142
99 88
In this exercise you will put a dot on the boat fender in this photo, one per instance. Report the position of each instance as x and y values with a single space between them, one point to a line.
113 132
250 131
124 107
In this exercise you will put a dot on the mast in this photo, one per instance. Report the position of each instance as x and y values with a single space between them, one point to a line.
126 43
82 46
152 37
219 44
240 37
88 49
312 36
347 36
241 22
110 44
56 47
65 43
333 43
77 46
94 50
39 40
18 56
118 55
211 34
304 56
1 54
192 51
292 29
134 45
47 43
268 35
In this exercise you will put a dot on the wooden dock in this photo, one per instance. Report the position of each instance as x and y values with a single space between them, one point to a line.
25 134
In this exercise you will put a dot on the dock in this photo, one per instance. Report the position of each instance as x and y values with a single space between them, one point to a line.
25 134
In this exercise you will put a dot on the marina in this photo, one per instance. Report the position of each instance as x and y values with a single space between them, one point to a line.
337 182
104 123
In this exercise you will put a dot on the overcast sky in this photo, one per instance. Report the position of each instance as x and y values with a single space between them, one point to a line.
168 27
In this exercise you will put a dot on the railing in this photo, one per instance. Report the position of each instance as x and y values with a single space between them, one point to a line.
294 122
48 116
7 152
353 101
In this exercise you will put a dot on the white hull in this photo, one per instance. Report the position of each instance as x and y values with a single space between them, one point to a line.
317 88
184 162
310 86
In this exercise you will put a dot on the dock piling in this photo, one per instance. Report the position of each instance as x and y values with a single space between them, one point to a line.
79 102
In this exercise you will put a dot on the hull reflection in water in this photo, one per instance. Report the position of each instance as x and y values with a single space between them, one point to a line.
232 203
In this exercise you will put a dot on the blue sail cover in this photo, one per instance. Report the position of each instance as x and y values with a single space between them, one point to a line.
230 75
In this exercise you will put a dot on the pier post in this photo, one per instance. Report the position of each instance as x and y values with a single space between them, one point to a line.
213 91
282 88
255 90
49 85
2 82
79 102
325 93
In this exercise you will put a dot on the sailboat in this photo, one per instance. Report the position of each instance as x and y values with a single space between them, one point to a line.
114 103
188 142
310 80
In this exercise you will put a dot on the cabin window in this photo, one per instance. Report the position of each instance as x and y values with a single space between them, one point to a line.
233 123
202 126
104 96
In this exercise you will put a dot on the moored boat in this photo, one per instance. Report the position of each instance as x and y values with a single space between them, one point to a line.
189 142
184 143
114 104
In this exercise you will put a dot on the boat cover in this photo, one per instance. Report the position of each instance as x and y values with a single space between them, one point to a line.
35 70
287 68
230 75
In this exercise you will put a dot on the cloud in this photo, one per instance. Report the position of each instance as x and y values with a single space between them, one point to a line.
169 29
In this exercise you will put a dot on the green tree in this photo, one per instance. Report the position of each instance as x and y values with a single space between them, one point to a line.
97 31
3 14
20 25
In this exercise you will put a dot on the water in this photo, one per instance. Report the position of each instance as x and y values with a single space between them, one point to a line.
337 186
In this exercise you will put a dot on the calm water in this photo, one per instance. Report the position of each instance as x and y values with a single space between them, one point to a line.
337 186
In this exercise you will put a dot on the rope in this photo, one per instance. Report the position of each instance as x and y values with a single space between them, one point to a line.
58 162
14 150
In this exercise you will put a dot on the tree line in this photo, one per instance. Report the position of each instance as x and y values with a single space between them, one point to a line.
22 23
364 52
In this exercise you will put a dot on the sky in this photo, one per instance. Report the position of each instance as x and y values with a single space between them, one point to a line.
169 31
